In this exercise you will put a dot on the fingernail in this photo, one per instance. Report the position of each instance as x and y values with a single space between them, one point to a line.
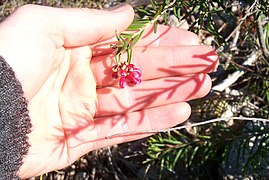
117 8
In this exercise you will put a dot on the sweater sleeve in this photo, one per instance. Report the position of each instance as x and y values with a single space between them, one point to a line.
14 123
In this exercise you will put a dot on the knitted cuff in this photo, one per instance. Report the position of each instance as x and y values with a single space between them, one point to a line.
14 123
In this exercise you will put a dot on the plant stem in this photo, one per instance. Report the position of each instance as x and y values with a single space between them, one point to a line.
160 12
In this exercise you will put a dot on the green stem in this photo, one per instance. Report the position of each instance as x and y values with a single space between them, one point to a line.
160 12
139 32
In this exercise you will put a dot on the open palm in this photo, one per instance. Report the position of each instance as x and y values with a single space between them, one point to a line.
62 55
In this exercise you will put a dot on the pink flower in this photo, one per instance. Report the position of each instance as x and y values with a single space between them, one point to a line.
127 73
134 77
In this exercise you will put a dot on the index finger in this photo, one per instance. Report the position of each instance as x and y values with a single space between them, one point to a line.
165 36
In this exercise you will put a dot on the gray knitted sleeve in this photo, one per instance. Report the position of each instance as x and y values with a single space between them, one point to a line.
14 123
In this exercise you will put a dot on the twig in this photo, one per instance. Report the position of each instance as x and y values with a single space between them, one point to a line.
3 8
236 37
248 13
186 126
112 164
237 74
262 37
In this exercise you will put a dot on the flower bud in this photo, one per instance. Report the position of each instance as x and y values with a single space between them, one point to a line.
122 82
115 75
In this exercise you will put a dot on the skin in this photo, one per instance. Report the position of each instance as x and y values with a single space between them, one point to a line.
60 56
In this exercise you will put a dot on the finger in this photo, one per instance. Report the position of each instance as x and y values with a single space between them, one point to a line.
151 93
165 36
79 26
160 62
101 135
88 26
162 117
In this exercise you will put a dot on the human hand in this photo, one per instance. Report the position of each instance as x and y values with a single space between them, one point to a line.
61 55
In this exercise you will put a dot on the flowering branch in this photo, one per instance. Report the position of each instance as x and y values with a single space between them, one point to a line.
125 71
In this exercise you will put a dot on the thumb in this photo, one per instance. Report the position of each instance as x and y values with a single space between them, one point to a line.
77 26
88 26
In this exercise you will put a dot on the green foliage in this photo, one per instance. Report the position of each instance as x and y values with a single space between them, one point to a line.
251 148
129 38
174 148
259 86
245 151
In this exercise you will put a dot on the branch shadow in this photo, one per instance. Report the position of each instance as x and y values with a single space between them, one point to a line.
146 101
203 67
142 102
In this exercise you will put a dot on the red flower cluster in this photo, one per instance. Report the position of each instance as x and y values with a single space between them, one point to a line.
127 73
